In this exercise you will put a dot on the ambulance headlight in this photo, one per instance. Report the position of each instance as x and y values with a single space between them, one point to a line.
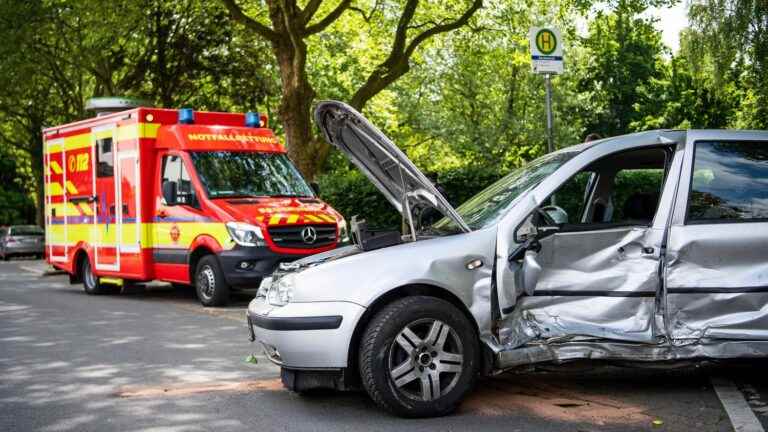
281 292
245 234
343 231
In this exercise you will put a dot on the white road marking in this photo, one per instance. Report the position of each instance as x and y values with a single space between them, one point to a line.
741 415
33 270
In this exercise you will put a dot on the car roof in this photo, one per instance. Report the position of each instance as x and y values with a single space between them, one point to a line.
657 136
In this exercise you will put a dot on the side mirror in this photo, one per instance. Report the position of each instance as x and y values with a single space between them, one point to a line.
540 223
315 187
169 193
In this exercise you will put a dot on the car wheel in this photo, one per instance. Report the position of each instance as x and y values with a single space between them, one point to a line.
212 289
91 283
419 357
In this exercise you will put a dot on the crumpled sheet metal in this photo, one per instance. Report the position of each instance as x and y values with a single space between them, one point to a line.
610 258
723 316
557 352
727 255
703 264
610 318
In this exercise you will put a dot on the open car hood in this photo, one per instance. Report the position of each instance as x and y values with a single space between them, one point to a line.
380 160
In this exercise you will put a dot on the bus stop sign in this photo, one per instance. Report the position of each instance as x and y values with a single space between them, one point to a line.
546 50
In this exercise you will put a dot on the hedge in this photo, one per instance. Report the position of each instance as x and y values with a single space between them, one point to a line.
351 193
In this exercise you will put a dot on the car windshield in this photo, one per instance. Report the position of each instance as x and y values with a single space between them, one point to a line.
26 230
227 174
489 205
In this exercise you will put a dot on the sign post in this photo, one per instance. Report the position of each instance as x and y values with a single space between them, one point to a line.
547 59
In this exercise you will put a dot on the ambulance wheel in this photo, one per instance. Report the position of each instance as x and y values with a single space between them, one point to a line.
212 289
91 282
419 357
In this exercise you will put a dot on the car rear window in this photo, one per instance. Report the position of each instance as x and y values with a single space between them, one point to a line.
26 230
730 182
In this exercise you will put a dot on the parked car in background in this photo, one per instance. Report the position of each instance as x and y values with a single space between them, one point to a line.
641 249
21 240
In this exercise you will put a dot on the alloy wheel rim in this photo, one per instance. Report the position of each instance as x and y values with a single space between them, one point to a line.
207 280
426 359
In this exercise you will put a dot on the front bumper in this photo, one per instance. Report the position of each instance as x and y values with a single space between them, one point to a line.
261 262
304 335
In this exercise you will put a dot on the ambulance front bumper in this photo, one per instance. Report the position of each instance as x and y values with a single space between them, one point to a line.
245 267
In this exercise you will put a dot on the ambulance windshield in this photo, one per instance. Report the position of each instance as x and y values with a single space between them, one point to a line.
229 174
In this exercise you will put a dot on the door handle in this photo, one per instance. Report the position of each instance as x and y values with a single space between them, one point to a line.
645 250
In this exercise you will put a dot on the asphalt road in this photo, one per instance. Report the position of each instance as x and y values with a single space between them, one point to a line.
155 360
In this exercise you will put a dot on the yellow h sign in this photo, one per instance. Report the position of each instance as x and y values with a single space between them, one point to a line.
546 41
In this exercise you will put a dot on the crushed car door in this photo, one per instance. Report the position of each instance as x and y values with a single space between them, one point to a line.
590 253
717 273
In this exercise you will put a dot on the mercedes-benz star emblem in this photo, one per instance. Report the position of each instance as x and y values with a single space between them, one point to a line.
309 235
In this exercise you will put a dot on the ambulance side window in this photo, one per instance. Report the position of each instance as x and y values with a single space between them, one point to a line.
105 162
175 172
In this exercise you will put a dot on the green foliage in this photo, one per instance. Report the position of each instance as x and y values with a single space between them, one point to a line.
16 203
732 36
468 110
624 54
351 193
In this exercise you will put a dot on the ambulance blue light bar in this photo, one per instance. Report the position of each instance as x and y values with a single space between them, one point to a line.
186 116
252 119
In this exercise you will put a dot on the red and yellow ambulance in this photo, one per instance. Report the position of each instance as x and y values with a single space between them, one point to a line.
194 198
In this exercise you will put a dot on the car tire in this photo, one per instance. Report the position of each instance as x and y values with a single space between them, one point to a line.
419 357
91 283
210 285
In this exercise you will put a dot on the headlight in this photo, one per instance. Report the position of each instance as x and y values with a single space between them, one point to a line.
281 293
343 231
245 234
264 287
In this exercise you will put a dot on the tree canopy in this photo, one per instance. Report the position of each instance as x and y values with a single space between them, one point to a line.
449 81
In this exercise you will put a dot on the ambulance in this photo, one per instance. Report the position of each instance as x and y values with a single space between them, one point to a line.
202 199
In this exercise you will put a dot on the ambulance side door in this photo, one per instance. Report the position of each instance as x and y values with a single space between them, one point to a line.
176 219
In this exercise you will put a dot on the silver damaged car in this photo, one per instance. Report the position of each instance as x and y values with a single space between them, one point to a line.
642 248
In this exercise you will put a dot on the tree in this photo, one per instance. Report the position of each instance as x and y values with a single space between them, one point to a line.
735 34
289 26
624 54
170 54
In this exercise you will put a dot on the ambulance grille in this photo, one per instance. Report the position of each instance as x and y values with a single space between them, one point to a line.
291 236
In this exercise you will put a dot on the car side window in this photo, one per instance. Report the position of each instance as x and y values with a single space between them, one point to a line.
620 189
635 195
729 182
572 197
175 172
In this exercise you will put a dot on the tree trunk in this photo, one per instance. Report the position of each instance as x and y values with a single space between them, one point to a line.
308 152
